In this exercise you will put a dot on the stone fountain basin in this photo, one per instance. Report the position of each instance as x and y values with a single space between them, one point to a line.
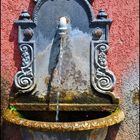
69 121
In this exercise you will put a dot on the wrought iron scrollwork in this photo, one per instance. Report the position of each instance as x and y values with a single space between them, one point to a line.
103 79
24 79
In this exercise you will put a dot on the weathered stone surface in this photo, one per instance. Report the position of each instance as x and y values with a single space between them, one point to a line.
75 64
130 91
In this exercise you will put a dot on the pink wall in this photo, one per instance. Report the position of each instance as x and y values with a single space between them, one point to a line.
124 38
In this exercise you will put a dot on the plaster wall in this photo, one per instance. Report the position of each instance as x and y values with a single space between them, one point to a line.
122 59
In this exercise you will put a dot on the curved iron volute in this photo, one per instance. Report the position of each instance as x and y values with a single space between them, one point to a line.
25 78
103 80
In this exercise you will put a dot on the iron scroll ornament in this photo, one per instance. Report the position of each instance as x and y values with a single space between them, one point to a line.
24 78
103 80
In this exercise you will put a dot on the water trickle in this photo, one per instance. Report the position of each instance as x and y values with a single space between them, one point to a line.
59 72
62 45
57 108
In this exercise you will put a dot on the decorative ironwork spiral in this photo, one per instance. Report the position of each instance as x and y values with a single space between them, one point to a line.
24 82
24 79
105 83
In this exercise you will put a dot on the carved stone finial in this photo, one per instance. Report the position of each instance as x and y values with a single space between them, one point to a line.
24 15
102 14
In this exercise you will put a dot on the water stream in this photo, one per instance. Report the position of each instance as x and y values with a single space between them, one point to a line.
62 45
57 108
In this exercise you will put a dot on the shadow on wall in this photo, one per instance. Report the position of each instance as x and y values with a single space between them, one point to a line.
7 131
112 132
10 132
129 128
4 93
14 38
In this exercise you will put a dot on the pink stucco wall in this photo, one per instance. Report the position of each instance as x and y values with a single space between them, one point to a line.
122 55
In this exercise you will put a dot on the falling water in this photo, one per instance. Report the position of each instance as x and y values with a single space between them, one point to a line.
62 44
57 107
59 71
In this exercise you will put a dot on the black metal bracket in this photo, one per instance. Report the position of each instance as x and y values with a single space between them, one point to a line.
103 80
25 78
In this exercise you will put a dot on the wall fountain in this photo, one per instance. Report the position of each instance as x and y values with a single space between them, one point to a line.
64 89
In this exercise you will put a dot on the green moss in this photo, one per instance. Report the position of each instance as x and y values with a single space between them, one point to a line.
12 108
116 110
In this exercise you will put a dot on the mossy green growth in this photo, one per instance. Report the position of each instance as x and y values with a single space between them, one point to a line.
117 109
12 108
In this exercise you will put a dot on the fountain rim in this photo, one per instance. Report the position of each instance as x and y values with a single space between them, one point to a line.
13 117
